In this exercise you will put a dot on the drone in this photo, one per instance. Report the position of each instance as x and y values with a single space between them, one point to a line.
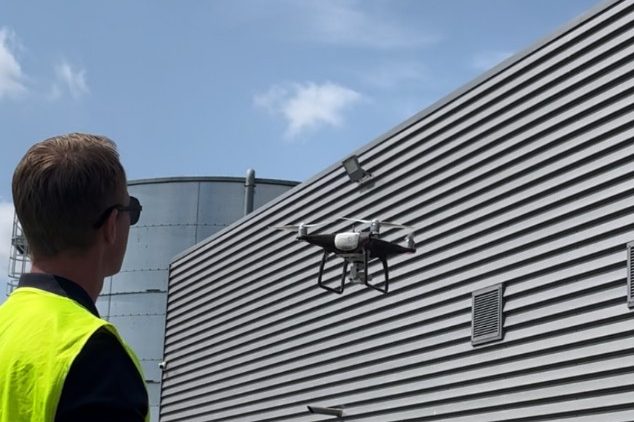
357 248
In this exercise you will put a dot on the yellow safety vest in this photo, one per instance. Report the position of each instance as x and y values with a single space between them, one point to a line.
41 334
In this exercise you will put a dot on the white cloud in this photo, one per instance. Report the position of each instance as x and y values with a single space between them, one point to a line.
309 105
70 79
351 23
11 75
486 60
273 98
13 80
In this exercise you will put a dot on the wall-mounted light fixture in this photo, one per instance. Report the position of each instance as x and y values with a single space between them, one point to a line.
354 170
334 411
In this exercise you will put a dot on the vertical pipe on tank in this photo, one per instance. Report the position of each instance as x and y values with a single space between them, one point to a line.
249 191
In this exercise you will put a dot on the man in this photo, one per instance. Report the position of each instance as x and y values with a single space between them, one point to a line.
58 360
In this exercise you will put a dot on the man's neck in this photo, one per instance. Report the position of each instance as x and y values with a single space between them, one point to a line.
82 273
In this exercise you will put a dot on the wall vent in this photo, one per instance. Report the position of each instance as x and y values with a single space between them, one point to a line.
486 324
630 275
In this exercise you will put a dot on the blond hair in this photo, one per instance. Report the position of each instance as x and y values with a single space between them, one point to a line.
61 186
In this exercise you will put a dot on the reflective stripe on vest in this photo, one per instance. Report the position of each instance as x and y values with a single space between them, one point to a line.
41 334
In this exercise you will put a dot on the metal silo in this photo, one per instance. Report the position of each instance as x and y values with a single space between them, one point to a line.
177 213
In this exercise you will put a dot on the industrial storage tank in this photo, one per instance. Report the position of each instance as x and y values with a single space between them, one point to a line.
177 213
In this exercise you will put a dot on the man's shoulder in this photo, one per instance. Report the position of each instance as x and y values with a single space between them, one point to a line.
103 376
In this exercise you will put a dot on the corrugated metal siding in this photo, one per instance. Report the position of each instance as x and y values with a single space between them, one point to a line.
526 179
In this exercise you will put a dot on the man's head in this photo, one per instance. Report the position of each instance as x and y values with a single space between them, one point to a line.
61 189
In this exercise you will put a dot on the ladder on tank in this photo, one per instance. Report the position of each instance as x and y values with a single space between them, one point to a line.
18 256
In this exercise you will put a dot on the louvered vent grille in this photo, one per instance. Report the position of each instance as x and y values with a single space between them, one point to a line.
630 275
487 315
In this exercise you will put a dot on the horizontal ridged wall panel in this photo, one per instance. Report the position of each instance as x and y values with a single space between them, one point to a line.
525 179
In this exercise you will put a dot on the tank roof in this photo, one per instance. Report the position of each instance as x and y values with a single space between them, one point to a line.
183 179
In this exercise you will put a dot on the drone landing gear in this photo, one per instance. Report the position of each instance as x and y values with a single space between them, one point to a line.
337 290
386 283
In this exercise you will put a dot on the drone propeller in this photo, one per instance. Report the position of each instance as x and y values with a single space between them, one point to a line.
381 223
288 227
296 227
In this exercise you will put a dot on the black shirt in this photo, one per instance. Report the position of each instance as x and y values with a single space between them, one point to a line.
102 384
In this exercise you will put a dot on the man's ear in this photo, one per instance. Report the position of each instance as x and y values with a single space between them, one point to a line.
110 227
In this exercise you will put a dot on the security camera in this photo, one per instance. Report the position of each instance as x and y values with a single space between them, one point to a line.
162 365
334 411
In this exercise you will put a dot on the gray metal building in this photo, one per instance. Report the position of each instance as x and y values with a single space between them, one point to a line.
516 305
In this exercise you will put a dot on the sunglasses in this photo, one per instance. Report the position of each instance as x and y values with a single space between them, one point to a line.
134 208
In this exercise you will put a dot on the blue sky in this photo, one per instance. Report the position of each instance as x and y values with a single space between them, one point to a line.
212 88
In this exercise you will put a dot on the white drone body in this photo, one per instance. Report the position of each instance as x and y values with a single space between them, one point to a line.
347 241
